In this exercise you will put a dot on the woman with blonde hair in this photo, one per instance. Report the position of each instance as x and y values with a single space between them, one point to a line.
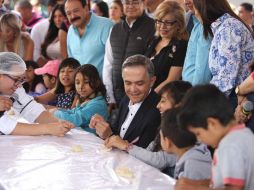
12 39
167 50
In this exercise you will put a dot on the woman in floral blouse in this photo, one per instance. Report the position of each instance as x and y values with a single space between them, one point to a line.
167 50
232 48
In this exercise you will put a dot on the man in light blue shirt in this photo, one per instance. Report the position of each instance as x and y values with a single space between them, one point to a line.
87 35
196 69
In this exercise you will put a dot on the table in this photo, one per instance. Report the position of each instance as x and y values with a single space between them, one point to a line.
48 162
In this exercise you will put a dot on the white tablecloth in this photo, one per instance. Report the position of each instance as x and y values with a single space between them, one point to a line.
48 162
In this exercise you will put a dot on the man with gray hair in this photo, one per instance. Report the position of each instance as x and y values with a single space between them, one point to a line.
129 37
41 122
138 118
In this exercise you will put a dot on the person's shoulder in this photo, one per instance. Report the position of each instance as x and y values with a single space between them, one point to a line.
103 21
41 24
25 36
98 100
71 31
71 28
26 39
181 42
238 134
147 21
231 24
151 102
153 96
147 18
199 152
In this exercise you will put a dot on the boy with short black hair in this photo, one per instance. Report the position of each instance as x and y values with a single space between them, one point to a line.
207 112
193 161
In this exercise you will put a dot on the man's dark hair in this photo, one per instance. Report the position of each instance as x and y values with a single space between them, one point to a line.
170 129
247 6
202 102
83 2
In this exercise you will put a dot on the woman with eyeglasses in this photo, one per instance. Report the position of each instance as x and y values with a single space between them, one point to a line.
12 72
167 50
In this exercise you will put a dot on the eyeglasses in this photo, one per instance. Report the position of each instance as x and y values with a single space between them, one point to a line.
17 81
134 2
166 22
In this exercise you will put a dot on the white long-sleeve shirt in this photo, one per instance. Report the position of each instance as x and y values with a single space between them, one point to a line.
24 106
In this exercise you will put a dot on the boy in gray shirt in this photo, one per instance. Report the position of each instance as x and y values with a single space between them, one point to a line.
180 150
193 161
207 112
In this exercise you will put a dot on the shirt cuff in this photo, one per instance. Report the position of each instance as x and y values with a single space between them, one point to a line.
7 124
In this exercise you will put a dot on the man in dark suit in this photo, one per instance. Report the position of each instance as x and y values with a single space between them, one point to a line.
138 118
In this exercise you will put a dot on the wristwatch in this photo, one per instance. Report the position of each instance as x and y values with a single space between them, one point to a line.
237 90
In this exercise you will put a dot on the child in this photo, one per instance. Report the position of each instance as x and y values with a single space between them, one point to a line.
49 73
171 96
64 92
34 84
207 113
193 162
12 72
91 98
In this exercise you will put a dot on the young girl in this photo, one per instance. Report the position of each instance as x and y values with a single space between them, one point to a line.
64 92
34 83
91 98
171 96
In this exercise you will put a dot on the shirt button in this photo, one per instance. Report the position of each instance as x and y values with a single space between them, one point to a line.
123 128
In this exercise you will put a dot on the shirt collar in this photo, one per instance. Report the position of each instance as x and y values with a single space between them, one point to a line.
216 24
130 24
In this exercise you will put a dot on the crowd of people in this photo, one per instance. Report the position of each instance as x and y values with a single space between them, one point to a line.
170 82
